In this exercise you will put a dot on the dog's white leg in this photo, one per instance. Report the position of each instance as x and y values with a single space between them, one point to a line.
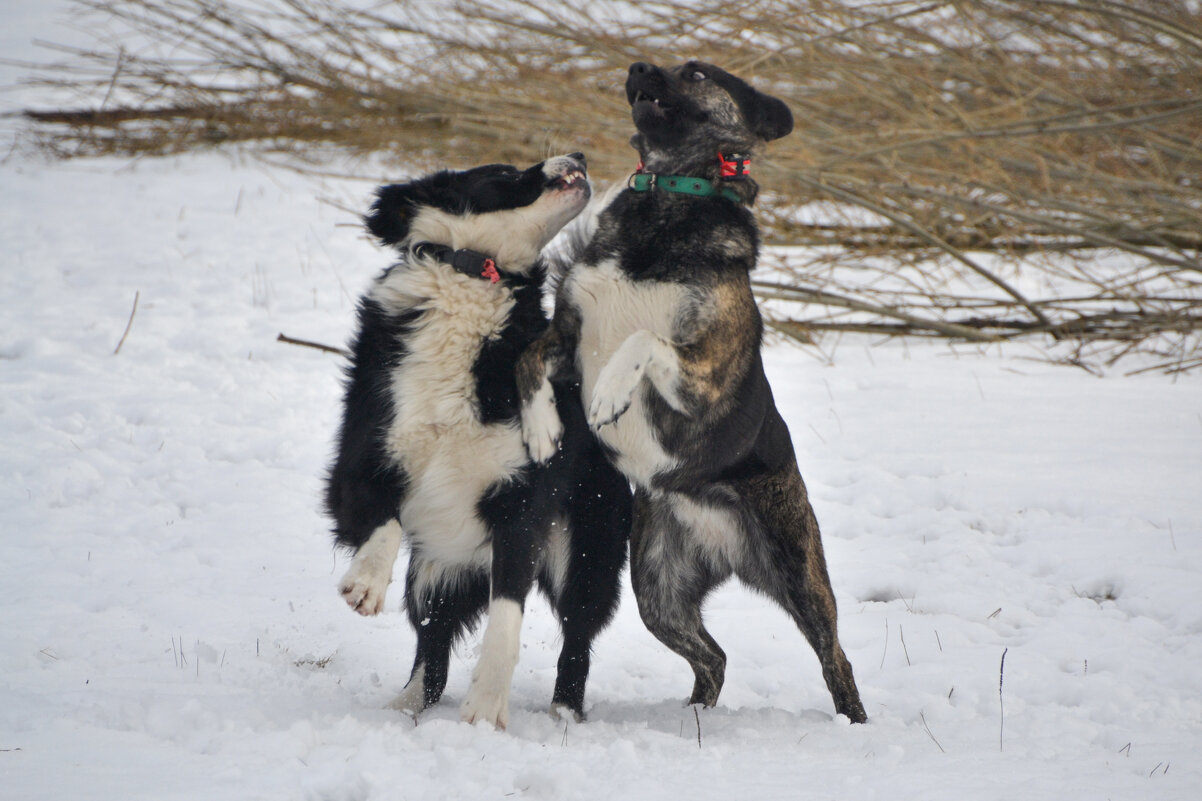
366 581
642 354
542 429
488 697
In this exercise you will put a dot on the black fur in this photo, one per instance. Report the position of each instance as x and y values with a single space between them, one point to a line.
371 482
492 187
657 319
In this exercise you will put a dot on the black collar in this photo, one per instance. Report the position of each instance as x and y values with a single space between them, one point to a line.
468 262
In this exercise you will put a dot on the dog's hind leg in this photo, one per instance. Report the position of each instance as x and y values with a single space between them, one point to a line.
585 592
441 607
518 533
670 583
789 566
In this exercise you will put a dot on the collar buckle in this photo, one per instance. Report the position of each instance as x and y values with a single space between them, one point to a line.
466 261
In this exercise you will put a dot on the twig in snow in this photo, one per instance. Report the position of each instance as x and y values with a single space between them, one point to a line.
902 635
307 344
928 729
697 717
885 650
1126 748
129 325
938 641
1001 702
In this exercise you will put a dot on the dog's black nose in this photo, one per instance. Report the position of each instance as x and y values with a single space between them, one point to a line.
578 156
639 68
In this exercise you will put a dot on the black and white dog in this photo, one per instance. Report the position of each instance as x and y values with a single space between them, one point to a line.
656 318
430 449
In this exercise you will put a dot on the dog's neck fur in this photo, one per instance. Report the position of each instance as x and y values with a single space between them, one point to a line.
699 162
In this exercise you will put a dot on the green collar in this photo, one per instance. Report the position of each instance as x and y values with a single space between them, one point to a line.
682 184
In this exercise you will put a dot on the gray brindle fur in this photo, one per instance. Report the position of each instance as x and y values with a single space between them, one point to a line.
657 321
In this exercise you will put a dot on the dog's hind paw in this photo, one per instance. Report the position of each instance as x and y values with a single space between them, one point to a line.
490 705
542 430
563 712
412 700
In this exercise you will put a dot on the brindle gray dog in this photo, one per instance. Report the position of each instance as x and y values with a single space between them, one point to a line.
657 321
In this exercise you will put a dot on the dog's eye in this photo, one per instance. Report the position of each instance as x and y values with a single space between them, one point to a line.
699 76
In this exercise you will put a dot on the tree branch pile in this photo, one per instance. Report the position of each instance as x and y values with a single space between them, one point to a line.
984 170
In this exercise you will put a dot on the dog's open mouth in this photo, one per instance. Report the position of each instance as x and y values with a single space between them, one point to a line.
567 180
642 97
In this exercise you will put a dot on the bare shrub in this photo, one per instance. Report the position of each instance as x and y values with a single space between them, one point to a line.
981 171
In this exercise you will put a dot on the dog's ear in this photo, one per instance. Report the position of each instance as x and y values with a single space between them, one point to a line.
390 216
766 116
770 117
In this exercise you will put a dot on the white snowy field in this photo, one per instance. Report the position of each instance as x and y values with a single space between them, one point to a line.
170 627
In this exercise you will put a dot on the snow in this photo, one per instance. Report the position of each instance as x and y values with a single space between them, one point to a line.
171 623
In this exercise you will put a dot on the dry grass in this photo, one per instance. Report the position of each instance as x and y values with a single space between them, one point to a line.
959 169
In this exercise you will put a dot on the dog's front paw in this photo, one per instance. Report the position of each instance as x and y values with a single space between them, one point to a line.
363 591
617 382
542 430
366 581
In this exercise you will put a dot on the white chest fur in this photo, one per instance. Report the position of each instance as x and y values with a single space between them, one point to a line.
612 307
436 435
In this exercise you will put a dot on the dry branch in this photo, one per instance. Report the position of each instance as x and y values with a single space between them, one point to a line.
306 343
129 323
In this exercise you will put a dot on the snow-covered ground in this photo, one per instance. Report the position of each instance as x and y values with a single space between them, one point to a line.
170 627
